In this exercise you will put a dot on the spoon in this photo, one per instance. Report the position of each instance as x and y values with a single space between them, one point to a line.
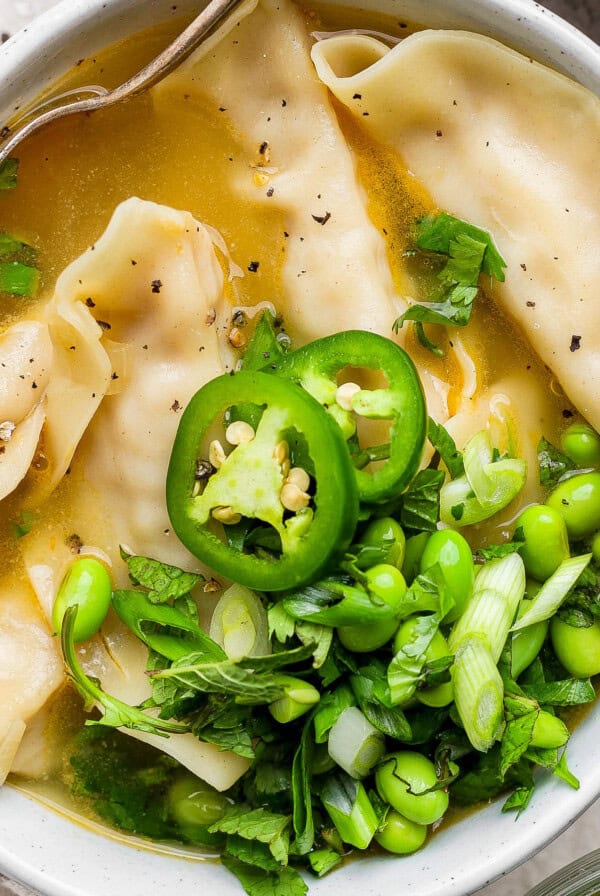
151 74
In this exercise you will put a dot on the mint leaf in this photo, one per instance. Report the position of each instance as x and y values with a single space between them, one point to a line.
421 501
258 882
164 582
323 860
257 824
302 816
252 852
569 692
562 771
116 714
445 446
553 464
497 551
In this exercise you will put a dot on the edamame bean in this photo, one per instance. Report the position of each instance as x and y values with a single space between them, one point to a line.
546 540
527 642
577 499
387 534
407 771
412 555
549 732
577 648
194 805
400 835
86 585
582 444
441 694
387 583
365 638
453 553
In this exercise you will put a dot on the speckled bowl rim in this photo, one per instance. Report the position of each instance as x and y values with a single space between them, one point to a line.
44 850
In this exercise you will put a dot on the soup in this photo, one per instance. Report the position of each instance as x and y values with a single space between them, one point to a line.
308 203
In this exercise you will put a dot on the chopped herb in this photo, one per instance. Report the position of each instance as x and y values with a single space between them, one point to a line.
553 464
8 174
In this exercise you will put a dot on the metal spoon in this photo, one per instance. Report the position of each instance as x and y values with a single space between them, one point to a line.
155 71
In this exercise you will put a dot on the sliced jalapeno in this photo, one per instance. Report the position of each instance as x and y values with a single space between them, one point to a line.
281 507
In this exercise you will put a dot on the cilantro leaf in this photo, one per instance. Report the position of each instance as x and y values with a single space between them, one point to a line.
302 817
497 551
8 174
470 251
323 860
18 279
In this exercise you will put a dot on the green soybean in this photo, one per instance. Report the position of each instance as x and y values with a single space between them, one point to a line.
527 642
387 534
546 540
415 546
582 444
400 835
453 553
402 779
577 499
365 638
577 648
549 732
87 586
194 805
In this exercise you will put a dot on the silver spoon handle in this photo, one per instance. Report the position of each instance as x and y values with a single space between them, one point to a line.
151 74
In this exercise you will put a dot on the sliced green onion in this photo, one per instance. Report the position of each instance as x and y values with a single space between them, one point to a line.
498 591
240 624
350 809
9 245
487 486
553 591
478 694
299 696
18 279
355 744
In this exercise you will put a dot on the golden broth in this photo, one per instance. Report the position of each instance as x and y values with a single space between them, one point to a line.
75 172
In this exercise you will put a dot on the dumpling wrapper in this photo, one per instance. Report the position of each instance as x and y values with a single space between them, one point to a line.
335 272
31 668
509 145
156 283
26 356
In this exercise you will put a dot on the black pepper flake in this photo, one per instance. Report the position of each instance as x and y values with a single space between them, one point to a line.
365 113
524 266
263 147
114 376
34 385
133 262
322 219
575 343
530 304
567 414
222 109
239 319
204 470
156 285
253 266
90 302
286 234
103 324
438 133
145 347
74 543
270 192
357 96
284 103
175 406
71 348
4 132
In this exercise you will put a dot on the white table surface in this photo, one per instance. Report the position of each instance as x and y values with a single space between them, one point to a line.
584 835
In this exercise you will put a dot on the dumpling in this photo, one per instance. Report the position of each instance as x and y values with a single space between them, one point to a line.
155 282
504 142
26 356
335 272
24 686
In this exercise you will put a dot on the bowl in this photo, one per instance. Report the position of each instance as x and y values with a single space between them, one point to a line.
579 878
43 849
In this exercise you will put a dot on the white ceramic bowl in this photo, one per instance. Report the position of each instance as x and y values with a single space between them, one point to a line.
49 853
